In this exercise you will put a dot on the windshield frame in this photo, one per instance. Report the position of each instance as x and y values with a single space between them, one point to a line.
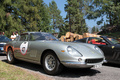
37 36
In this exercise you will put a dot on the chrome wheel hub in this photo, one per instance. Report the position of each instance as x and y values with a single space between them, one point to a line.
50 62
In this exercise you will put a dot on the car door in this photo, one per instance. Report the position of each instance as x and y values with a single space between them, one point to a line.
108 51
34 47
21 46
113 52
116 53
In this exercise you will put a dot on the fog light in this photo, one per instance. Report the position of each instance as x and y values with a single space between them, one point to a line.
79 59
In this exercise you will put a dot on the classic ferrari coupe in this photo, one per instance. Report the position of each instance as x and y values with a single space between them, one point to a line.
44 49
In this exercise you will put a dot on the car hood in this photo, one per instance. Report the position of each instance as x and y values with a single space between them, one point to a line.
87 50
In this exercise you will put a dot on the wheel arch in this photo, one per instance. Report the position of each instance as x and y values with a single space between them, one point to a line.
44 52
10 48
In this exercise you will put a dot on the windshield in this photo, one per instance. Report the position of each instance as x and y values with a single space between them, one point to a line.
4 39
42 36
114 41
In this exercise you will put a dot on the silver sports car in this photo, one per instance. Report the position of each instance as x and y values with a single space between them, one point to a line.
43 48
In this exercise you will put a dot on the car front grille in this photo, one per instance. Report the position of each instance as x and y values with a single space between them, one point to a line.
94 60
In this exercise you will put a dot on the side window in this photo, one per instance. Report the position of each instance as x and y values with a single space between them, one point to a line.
36 36
89 39
32 38
17 38
92 40
82 40
96 41
24 37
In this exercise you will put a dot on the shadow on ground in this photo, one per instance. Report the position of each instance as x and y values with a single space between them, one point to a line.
74 73
112 65
2 54
67 72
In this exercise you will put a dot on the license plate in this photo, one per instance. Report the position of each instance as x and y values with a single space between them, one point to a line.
98 65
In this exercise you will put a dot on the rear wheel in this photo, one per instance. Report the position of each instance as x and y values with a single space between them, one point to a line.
10 56
51 64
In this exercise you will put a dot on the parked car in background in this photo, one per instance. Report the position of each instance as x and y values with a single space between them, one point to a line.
3 41
43 48
110 47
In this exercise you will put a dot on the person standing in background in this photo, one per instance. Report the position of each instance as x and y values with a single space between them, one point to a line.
16 34
3 33
13 36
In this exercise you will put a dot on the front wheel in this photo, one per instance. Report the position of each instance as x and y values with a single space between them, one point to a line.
51 64
10 56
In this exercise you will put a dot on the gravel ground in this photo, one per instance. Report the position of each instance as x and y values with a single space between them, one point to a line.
107 72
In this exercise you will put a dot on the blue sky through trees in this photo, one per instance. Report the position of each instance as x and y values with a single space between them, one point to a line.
61 5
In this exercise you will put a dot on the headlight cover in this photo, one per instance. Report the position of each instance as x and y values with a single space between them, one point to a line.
73 52
98 49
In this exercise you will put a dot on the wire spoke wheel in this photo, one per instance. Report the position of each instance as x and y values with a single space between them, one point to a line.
10 56
50 62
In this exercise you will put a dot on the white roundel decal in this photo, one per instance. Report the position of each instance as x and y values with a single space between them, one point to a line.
24 47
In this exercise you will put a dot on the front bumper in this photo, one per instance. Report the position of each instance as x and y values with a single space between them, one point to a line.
79 64
87 63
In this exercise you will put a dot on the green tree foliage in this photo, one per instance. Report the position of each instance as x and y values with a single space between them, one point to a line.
16 15
104 26
75 16
63 29
7 23
56 18
44 24
108 8
95 29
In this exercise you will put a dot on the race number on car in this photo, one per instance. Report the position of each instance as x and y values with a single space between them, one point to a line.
23 48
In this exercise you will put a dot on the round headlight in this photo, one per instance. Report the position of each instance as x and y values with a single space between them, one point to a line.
73 52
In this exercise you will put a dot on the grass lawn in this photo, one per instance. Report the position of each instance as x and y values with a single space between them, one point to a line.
10 72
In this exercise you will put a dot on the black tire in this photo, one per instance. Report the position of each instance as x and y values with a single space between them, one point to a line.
51 64
10 56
